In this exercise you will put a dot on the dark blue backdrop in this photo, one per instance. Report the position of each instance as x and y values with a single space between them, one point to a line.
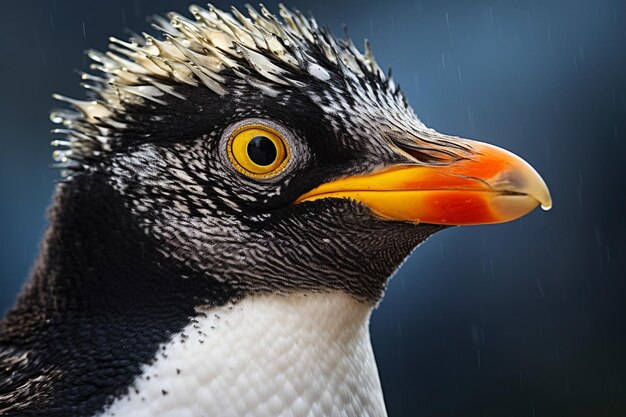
521 319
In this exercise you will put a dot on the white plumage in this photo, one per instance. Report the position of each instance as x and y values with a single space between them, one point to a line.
266 356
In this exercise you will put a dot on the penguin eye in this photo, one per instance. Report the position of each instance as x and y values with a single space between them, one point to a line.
257 151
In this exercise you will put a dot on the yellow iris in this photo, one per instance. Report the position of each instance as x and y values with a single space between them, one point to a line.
257 151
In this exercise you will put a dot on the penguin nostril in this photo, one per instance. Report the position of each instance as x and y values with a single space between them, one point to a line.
427 155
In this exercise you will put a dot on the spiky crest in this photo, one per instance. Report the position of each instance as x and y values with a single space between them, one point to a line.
217 50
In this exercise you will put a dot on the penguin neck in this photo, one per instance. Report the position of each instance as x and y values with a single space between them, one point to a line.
99 296
270 355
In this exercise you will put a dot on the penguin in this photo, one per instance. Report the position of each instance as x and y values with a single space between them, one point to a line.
237 191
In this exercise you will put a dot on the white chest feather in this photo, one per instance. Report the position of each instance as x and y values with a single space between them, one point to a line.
265 356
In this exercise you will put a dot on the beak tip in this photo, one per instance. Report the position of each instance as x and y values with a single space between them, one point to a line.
542 194
546 205
533 184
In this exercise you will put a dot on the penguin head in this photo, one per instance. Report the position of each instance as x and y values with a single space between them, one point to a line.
264 153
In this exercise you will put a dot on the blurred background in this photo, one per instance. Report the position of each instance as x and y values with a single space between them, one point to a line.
521 319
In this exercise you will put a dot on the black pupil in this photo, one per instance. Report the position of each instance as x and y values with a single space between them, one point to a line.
262 150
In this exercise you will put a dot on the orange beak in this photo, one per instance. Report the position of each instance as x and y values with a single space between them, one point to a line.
492 186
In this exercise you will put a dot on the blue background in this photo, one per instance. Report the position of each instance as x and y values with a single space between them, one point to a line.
520 319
